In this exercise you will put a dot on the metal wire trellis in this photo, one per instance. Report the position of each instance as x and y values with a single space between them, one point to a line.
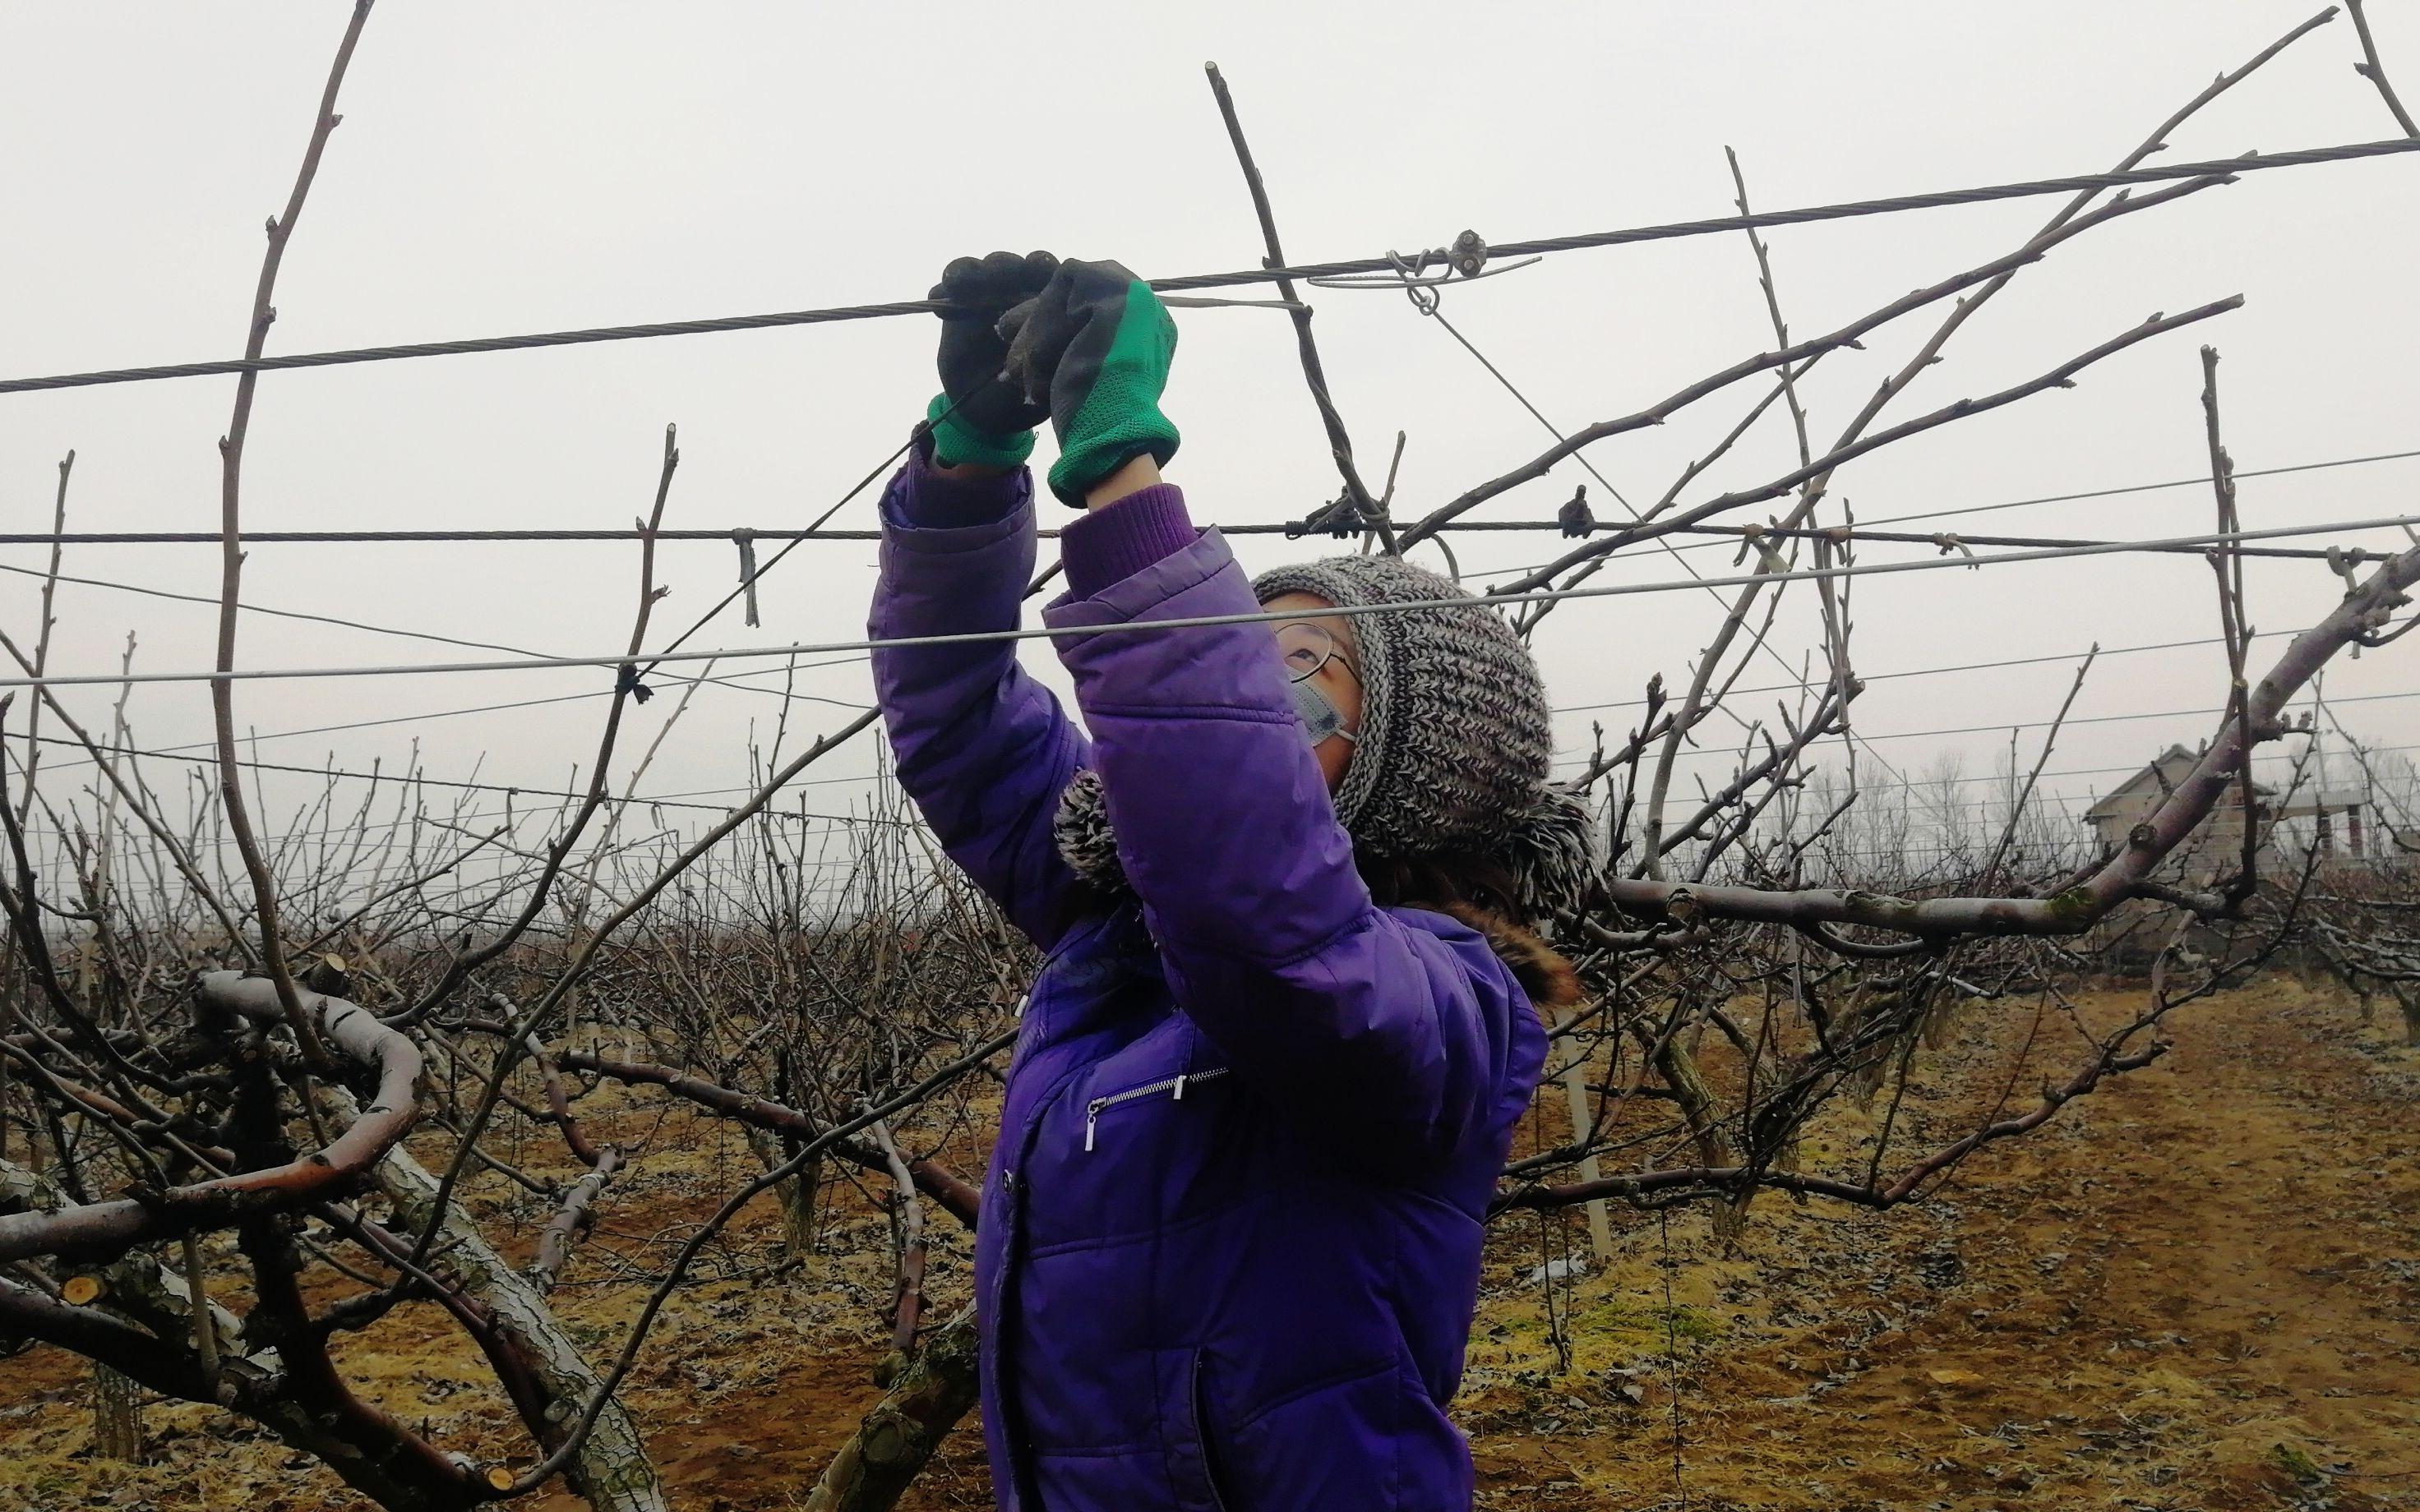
1195 622
2220 167
869 535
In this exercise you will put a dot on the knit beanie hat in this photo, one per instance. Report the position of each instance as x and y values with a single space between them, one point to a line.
1454 746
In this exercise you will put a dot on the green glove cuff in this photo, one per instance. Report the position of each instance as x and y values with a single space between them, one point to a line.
955 443
1120 417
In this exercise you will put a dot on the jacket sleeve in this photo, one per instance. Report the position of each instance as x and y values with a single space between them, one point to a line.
1400 1041
983 749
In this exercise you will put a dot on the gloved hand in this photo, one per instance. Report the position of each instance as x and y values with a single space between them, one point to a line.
976 417
1094 346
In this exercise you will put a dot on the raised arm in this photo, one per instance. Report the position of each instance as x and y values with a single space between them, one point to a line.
1400 1039
983 749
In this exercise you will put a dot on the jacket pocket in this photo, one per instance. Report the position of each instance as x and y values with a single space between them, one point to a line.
1185 1430
1171 1088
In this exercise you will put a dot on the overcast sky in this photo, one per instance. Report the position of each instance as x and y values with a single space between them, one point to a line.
506 169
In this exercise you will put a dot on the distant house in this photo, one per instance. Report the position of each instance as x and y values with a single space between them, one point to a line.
2340 824
2114 818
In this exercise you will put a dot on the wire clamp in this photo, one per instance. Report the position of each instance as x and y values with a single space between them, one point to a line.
1337 517
1468 254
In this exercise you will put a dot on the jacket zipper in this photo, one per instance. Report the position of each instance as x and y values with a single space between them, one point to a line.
1173 1085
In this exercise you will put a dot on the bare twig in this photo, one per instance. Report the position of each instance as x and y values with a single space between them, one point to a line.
1339 445
281 231
42 636
625 685
908 1297
2018 800
546 1469
2061 376
2375 71
1795 355
587 952
179 852
952 1194
2233 630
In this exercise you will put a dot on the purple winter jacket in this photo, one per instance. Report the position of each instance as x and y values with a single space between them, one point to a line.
1230 1238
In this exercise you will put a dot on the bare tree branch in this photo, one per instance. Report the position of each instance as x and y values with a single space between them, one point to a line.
2371 68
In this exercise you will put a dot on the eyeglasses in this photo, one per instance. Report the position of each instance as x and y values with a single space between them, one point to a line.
1306 648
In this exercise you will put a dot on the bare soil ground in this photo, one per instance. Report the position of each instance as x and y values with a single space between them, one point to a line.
2198 1289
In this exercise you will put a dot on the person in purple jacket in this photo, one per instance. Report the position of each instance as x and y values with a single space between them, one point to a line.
1290 1011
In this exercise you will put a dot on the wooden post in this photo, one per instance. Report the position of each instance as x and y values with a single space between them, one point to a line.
1576 1094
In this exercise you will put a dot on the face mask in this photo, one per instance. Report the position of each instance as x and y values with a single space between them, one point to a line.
1321 719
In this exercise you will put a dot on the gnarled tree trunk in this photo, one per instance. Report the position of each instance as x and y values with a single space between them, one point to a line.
612 1470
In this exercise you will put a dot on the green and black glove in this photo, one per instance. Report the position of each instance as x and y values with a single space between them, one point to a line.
1094 346
977 417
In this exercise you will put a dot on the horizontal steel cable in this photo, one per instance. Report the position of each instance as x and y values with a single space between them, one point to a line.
708 533
1938 199
412 779
183 752
2058 659
2069 723
1194 622
834 823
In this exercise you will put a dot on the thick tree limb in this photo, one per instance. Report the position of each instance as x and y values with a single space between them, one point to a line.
900 1434
108 1227
610 1465
571 1220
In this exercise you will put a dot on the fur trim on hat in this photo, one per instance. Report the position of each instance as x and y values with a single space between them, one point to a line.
1454 747
1080 830
1086 842
1544 973
1549 845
